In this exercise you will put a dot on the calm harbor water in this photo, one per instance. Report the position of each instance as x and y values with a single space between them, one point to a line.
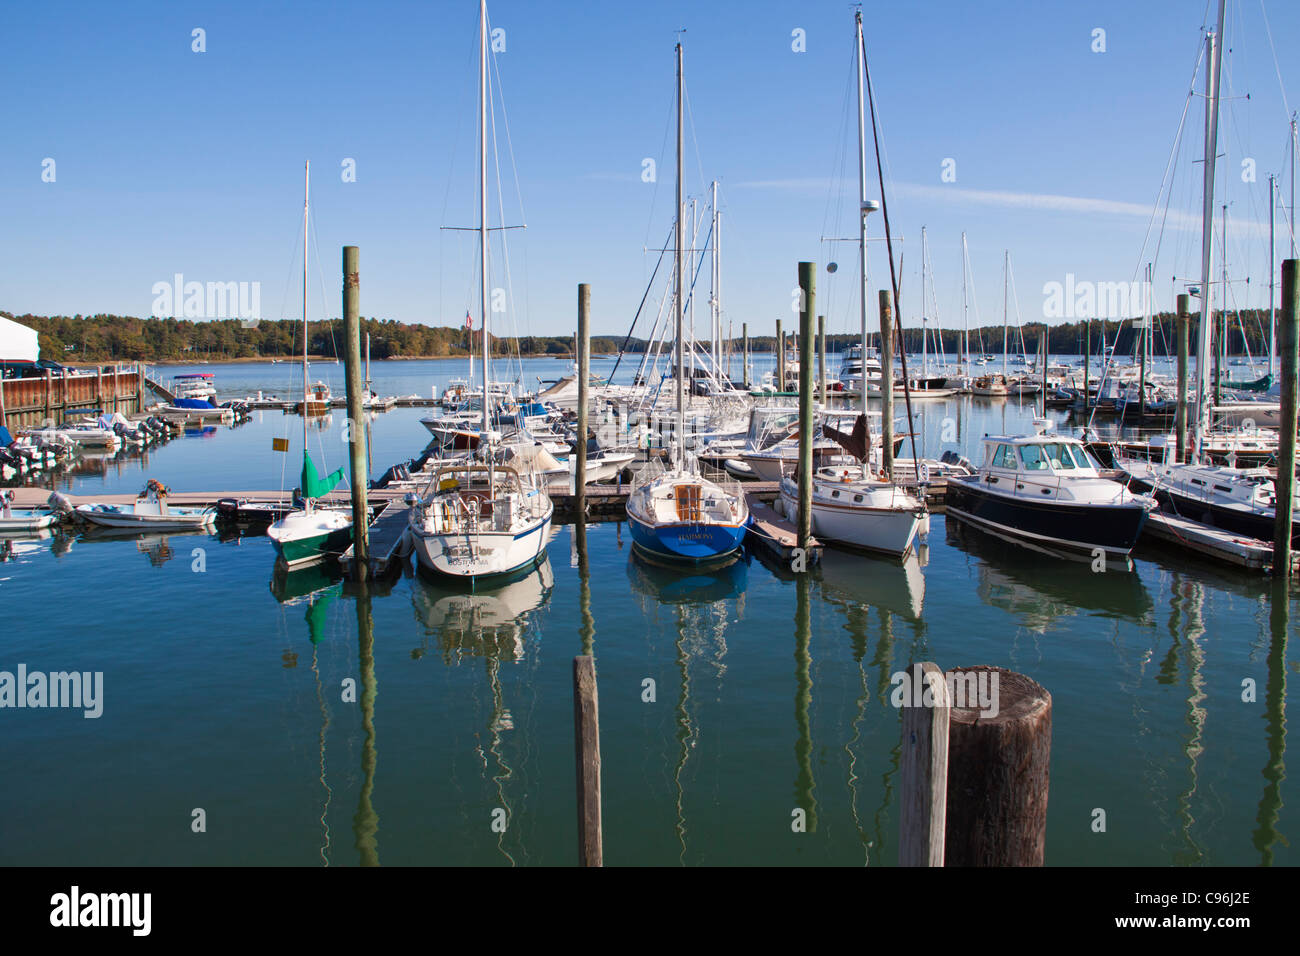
225 686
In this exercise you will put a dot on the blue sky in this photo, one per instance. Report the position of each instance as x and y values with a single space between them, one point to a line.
169 161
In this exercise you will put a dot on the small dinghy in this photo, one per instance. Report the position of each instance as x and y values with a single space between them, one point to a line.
150 511
22 520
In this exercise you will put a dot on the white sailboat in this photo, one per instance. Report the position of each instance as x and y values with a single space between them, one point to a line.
678 515
480 518
307 535
1240 500
852 505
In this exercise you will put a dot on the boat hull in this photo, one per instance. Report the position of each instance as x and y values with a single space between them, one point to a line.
481 554
686 542
302 539
1235 520
1072 529
176 519
889 531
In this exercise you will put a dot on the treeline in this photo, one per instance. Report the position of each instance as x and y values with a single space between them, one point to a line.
127 338
95 338
1071 338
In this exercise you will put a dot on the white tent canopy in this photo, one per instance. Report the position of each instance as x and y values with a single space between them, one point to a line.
18 342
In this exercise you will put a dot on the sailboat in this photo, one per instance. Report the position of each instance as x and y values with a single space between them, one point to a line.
678 515
306 535
1240 500
851 504
480 517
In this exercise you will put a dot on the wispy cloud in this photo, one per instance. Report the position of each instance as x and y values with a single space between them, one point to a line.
1180 220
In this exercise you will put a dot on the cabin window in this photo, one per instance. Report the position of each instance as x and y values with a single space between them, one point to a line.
1004 457
1059 456
1032 457
857 498
1080 456
835 494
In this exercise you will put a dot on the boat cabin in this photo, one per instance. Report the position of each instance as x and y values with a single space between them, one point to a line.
1039 455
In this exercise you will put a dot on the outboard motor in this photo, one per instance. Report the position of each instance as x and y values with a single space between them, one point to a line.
59 503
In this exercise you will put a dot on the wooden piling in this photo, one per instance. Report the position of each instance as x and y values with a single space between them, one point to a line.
1180 416
586 737
356 412
744 368
1087 364
49 393
807 296
780 358
996 813
584 372
1045 350
1284 484
924 762
886 382
821 359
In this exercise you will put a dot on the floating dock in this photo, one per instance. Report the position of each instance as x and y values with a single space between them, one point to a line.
776 535
1208 542
390 541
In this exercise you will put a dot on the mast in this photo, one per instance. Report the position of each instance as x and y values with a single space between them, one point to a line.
306 198
965 315
1206 326
925 358
1006 269
1272 268
482 191
677 270
717 290
862 203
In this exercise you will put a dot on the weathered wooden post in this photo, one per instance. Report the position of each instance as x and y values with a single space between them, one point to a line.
115 387
821 358
1180 416
99 387
780 358
139 386
744 368
1045 349
586 737
1087 364
1284 484
584 372
924 761
886 384
999 754
356 413
807 305
49 393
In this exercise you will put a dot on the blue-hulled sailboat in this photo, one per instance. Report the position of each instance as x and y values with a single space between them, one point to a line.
678 515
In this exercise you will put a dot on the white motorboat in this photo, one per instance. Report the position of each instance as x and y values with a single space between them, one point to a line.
1046 492
150 512
23 520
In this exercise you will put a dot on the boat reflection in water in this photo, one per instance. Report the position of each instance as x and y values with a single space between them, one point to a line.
315 589
700 601
893 586
477 623
156 546
497 625
1039 591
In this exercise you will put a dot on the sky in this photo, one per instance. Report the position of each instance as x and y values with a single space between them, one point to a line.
169 160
